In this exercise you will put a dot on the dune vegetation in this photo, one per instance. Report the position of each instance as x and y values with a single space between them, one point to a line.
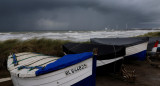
44 46
150 34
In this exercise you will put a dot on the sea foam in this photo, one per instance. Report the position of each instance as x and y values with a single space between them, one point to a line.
72 35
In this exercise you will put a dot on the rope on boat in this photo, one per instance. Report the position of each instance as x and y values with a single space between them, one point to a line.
31 68
24 58
29 57
34 67
37 61
15 62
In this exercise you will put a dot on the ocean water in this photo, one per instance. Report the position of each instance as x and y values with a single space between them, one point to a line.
71 35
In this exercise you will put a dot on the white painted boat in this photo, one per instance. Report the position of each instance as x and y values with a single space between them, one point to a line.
153 46
31 69
151 43
136 47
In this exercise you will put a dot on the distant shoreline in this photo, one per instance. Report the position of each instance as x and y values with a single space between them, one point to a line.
77 36
71 30
150 34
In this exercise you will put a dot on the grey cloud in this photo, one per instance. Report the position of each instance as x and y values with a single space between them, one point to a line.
77 14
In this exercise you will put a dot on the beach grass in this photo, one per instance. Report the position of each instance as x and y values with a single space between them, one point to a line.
43 46
150 34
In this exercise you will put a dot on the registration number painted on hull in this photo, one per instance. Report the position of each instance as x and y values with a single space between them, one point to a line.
77 69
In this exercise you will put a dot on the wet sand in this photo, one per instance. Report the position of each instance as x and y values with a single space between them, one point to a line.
146 75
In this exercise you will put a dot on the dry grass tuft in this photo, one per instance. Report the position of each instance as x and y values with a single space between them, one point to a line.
151 34
44 46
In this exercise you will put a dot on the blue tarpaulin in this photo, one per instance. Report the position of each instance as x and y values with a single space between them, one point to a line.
64 62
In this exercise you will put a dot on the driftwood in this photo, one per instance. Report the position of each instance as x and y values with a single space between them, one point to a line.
153 63
128 73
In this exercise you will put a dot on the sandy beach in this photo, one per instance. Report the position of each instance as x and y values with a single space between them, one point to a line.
146 75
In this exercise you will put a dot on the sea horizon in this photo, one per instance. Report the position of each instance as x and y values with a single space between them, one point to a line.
40 30
73 35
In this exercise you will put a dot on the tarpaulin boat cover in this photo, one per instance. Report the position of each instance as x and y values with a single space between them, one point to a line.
64 62
104 51
151 42
120 41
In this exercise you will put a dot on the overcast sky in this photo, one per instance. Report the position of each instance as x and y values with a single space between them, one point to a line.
78 14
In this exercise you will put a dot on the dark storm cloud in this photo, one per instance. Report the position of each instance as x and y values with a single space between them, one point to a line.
14 6
77 14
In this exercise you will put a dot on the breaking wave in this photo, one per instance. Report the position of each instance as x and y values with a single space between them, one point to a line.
71 35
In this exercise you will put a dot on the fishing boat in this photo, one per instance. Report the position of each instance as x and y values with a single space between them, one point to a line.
153 47
109 57
136 47
32 69
153 42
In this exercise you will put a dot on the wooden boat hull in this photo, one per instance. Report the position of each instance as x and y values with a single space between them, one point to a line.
74 75
58 77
